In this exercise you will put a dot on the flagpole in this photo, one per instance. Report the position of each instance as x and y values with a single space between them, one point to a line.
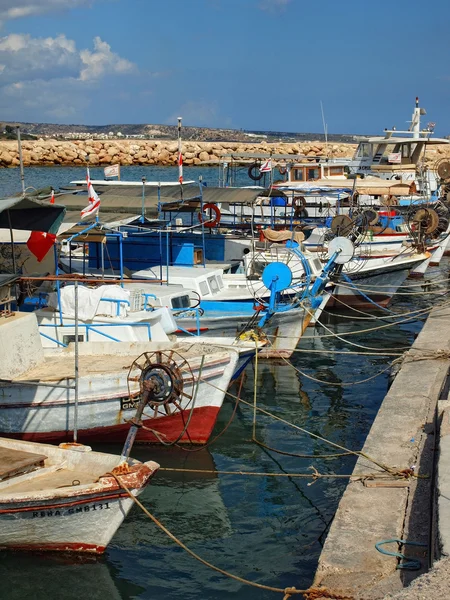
22 175
143 200
180 158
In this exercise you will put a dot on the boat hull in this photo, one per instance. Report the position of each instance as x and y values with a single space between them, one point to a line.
378 288
283 330
104 405
38 514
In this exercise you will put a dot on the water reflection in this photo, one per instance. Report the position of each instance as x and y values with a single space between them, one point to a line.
39 577
267 529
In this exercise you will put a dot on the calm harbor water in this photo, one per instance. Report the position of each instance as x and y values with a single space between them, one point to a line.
267 529
41 177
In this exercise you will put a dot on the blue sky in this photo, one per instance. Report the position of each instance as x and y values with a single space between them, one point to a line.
255 64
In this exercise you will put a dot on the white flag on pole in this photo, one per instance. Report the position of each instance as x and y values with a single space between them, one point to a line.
266 167
94 201
112 171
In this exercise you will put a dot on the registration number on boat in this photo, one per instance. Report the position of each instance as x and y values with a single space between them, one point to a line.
40 514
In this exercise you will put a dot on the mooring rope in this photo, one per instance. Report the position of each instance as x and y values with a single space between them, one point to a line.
311 593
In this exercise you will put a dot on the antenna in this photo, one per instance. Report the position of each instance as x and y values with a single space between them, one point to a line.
325 127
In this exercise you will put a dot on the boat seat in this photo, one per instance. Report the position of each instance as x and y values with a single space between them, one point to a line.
15 462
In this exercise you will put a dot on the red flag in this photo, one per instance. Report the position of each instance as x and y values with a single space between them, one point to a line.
266 167
180 167
94 201
39 243
52 198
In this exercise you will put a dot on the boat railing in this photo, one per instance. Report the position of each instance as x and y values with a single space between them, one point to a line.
94 328
197 312
118 302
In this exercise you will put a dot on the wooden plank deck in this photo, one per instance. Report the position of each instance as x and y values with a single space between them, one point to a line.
13 461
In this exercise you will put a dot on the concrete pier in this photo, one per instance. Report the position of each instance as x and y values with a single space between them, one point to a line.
402 436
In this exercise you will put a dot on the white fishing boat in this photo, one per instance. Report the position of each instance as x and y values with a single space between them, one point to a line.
64 498
363 281
42 399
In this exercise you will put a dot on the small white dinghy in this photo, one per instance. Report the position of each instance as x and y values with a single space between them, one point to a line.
64 498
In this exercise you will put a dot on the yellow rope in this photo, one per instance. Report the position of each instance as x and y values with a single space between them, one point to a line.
314 475
286 591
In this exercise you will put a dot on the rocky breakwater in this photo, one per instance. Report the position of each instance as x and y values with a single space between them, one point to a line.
150 152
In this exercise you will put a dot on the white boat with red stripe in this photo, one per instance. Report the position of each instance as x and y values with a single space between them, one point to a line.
66 498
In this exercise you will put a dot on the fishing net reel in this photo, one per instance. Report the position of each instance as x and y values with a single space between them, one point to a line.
442 168
427 223
356 228
162 376
277 269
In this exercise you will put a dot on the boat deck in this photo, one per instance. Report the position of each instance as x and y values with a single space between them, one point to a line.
59 366
63 478
17 461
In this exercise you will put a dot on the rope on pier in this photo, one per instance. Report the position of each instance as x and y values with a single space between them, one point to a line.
314 475
308 594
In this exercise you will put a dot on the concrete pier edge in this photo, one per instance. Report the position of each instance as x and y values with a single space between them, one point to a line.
402 435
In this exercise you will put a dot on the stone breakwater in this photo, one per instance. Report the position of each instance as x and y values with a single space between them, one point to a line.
164 153
149 152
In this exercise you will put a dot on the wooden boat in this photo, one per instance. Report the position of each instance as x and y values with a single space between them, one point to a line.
63 498
38 398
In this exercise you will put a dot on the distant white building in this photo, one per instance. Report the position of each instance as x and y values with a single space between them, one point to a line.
255 135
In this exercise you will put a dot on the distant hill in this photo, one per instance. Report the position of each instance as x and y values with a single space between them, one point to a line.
148 131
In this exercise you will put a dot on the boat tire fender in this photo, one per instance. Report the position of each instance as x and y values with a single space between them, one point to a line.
253 172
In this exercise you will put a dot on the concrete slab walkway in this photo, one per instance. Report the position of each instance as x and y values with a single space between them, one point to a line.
402 436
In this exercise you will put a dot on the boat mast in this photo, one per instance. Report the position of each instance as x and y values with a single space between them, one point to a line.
22 176
415 121
325 128
180 158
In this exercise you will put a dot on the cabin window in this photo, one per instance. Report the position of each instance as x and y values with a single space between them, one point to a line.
297 175
312 173
213 284
336 170
70 339
220 282
204 289
181 301
364 151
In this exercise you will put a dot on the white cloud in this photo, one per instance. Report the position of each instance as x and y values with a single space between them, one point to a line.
50 78
25 58
44 100
16 9
103 61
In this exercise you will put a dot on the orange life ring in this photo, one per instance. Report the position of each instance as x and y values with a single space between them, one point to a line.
282 170
216 211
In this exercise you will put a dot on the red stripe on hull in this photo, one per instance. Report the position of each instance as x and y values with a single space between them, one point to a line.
56 547
168 427
34 508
